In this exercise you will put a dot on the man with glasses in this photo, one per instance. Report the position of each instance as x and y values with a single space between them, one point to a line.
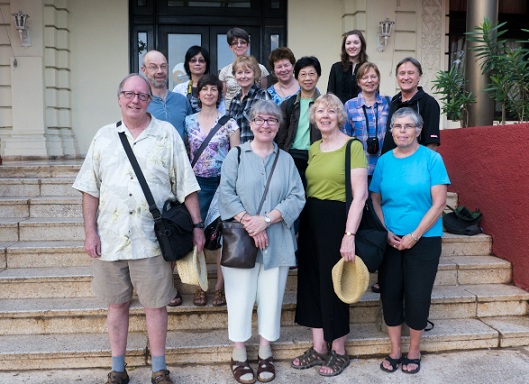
119 233
165 105
239 42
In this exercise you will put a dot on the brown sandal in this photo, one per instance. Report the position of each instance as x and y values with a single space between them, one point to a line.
309 359
266 365
337 363
239 369
176 301
219 299
200 298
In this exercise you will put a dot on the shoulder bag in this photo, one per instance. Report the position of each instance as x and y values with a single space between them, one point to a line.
371 235
238 247
173 226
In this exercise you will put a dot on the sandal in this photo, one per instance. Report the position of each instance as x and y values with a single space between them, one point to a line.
239 369
266 366
176 301
309 359
200 298
406 361
394 364
337 363
219 299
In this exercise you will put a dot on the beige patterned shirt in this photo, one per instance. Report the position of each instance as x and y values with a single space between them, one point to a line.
124 222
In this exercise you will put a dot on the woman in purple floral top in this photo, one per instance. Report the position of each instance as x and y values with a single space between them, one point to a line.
208 165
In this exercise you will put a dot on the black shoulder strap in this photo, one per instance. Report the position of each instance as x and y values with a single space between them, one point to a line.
348 190
223 120
139 174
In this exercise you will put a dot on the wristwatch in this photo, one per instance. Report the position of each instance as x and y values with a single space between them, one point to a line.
200 225
268 220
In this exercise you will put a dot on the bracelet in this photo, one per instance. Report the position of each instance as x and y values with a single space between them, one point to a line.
350 234
413 237
242 217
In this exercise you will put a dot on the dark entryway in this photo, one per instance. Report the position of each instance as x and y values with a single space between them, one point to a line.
173 26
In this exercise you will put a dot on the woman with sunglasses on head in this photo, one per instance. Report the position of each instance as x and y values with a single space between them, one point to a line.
196 65
239 42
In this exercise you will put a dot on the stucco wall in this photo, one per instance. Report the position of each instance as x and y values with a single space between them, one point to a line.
489 170
100 59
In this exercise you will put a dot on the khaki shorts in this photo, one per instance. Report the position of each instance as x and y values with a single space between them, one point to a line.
152 279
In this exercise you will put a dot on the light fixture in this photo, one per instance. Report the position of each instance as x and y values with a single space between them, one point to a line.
23 30
384 34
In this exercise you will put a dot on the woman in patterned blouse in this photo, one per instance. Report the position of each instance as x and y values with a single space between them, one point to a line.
207 166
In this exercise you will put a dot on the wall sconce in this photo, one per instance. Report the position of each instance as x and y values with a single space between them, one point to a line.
385 33
23 30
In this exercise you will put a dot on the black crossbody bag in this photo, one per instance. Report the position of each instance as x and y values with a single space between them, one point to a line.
173 226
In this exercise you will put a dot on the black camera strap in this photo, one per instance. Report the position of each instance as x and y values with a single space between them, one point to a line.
375 110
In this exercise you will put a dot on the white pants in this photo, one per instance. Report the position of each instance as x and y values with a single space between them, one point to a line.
246 287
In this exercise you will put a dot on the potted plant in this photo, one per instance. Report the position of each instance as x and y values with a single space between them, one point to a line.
506 65
455 99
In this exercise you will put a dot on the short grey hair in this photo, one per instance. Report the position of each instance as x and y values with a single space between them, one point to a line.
266 107
408 112
120 87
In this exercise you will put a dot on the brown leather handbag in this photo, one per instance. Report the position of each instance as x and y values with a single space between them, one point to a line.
238 247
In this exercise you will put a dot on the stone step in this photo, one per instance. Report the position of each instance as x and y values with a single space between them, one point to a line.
451 200
45 254
84 350
51 228
40 168
59 266
38 315
33 187
461 245
49 206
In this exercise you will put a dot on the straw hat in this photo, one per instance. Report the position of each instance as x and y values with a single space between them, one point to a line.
192 269
350 280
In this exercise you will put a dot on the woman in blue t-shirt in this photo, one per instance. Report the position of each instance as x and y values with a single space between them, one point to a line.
408 190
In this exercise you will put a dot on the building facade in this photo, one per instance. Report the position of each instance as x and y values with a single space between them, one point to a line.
57 92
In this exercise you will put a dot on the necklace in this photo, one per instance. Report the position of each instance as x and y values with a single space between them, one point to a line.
285 91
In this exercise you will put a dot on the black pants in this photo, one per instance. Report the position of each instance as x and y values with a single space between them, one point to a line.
320 237
406 282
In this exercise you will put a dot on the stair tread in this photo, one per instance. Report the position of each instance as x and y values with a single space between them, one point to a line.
442 294
210 340
35 245
43 273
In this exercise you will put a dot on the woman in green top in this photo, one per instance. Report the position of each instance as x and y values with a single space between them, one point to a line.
327 232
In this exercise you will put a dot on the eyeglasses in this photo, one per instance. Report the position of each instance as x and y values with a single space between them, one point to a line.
398 127
154 67
199 61
260 121
130 95
239 42
304 75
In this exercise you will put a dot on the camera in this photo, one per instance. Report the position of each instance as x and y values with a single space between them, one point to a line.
372 145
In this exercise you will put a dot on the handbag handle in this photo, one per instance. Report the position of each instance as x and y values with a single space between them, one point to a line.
223 120
139 174
269 176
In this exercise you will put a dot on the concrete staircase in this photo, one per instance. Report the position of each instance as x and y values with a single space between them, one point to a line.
49 318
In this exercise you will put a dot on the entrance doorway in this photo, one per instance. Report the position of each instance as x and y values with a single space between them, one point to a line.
171 27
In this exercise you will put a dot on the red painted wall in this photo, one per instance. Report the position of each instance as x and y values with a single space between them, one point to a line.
489 169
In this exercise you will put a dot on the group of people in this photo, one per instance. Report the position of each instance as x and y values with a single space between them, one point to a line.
288 141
